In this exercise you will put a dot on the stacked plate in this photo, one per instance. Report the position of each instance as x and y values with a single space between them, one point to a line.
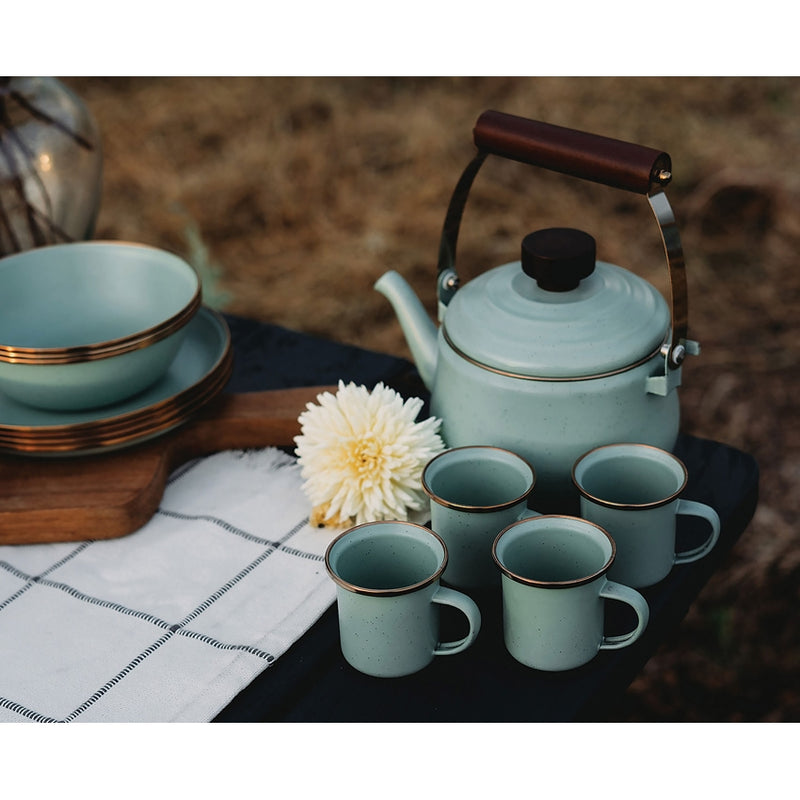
199 371
103 344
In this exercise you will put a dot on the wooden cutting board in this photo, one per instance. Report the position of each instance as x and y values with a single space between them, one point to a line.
112 494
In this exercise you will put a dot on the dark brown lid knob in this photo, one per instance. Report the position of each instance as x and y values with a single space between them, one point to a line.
558 259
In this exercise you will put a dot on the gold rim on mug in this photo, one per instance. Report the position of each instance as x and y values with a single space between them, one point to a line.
555 584
488 509
395 591
632 506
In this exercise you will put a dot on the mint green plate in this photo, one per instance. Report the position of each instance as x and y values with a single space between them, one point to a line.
202 360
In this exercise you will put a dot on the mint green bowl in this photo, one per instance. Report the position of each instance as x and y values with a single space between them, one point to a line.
88 324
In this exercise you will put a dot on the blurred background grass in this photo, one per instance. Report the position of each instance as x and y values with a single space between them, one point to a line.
295 194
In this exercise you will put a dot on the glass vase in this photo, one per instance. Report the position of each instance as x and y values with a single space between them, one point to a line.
50 165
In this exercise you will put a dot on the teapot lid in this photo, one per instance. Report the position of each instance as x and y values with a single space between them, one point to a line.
557 313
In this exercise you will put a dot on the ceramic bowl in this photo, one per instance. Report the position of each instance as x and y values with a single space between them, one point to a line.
86 324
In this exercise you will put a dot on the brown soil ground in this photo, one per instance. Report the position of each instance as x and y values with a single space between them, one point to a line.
295 195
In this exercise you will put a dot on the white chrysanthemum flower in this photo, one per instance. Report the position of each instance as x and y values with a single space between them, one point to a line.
362 455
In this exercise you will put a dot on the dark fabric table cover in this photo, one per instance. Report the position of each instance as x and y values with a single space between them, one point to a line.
312 682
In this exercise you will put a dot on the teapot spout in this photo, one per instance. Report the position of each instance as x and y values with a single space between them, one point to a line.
417 326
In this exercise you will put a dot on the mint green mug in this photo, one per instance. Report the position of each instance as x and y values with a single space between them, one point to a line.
388 594
475 492
554 585
633 491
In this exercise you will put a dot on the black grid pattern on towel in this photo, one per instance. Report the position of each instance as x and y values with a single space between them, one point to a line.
162 629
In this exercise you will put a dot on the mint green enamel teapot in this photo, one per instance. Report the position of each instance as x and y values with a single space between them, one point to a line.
556 353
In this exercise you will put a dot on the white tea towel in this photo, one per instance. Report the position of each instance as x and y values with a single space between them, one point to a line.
170 622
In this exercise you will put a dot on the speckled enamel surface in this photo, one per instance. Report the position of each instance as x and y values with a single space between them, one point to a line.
550 424
554 587
632 492
474 493
388 596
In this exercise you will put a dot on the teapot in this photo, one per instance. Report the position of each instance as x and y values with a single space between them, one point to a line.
556 353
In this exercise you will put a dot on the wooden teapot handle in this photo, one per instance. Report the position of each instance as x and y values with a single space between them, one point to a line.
612 162
615 163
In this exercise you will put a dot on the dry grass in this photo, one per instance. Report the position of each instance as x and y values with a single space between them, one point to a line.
305 191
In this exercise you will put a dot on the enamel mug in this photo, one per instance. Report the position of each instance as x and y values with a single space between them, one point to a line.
554 586
633 491
474 493
388 594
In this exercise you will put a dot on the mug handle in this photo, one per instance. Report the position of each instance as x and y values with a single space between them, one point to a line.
449 597
694 509
616 591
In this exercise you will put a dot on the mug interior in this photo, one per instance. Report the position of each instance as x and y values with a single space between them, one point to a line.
554 550
386 557
629 475
478 477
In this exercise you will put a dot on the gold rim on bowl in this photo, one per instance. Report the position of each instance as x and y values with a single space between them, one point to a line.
114 347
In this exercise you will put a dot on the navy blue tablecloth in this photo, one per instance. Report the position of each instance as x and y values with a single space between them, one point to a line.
312 682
